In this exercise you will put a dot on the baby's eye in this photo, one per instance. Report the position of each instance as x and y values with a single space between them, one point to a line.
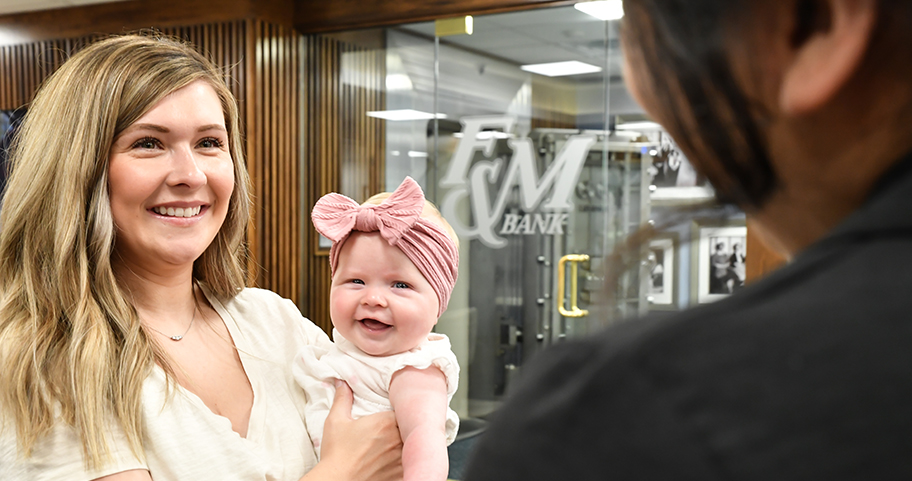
400 285
357 281
147 143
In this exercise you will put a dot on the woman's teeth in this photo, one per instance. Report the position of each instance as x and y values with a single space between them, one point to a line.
178 212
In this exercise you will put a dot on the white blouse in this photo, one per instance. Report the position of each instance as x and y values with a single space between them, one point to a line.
183 439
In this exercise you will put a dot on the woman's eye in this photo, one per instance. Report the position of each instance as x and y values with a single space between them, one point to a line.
210 143
147 143
400 285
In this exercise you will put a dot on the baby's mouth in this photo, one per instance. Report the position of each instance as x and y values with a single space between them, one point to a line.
374 325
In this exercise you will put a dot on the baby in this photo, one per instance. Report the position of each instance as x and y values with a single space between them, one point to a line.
394 264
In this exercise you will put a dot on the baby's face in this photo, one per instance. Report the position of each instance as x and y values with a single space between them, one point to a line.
379 300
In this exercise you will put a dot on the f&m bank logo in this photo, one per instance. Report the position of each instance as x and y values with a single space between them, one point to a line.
545 198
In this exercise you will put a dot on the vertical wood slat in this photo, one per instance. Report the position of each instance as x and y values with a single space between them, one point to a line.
344 148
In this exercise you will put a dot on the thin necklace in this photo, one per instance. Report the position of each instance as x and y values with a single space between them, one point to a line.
176 338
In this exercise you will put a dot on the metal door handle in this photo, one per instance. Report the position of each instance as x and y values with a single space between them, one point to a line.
574 260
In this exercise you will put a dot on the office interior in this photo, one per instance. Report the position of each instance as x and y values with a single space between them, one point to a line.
544 174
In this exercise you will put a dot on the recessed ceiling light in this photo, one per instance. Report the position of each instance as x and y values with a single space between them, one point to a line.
560 69
404 114
602 9
641 125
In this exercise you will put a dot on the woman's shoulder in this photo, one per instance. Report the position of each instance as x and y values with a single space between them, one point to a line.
256 301
264 313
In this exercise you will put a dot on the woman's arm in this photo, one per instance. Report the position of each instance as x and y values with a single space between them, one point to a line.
419 399
368 448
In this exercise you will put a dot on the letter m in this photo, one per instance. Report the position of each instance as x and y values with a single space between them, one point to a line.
563 173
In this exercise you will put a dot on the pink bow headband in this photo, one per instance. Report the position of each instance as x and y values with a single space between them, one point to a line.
398 219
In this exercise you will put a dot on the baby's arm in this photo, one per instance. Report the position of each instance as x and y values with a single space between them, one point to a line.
419 399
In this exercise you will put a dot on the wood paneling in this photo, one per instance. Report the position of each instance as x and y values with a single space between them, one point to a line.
345 148
313 16
274 157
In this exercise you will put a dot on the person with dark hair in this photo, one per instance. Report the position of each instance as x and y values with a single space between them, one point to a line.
799 111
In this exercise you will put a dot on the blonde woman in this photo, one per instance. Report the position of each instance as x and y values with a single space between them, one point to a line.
129 347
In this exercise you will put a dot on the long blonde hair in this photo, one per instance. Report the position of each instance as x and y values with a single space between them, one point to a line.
71 347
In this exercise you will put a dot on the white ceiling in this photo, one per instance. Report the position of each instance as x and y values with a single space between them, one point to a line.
18 6
539 36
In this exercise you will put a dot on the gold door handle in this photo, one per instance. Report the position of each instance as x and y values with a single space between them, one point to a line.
574 260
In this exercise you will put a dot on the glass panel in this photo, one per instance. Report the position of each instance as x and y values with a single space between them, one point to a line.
524 169
530 169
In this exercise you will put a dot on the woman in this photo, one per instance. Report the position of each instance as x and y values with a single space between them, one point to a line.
129 348
801 112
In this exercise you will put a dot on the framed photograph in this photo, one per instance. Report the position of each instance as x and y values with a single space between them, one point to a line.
719 253
661 265
674 181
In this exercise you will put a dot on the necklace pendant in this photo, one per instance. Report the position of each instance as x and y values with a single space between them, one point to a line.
176 338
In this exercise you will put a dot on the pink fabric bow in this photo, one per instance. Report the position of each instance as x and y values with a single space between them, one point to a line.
399 221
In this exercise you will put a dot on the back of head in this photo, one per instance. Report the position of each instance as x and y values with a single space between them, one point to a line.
688 51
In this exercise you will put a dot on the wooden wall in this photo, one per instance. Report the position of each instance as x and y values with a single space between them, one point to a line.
345 148
274 158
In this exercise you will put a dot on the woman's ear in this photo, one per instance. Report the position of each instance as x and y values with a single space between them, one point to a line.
830 39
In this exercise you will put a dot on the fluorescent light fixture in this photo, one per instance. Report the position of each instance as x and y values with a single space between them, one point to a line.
630 134
644 125
398 81
417 155
560 69
603 9
404 114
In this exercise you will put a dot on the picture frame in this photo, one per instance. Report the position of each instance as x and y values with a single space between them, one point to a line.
662 272
674 181
718 261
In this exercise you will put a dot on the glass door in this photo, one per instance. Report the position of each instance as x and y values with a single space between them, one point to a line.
520 129
525 163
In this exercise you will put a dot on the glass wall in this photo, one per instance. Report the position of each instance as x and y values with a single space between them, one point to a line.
545 175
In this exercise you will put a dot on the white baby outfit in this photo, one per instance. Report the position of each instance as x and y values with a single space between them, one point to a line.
317 367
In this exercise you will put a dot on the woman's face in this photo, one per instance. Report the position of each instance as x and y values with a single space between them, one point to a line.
170 179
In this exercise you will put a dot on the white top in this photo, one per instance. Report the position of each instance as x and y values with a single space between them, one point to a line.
369 378
183 439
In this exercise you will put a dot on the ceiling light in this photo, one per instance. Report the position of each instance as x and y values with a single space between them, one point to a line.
643 125
560 69
398 81
416 154
404 114
630 134
603 9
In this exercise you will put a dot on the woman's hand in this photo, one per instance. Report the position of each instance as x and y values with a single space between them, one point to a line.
369 448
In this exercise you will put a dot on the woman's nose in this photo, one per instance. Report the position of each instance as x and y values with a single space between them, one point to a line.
185 168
